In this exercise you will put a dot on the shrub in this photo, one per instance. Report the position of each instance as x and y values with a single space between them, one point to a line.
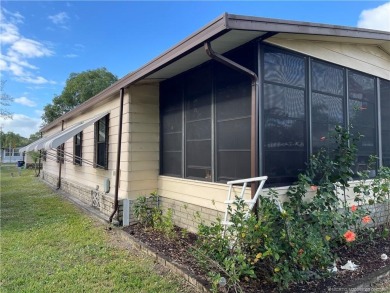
295 242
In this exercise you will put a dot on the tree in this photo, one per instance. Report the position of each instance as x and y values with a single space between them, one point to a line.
5 101
34 137
79 88
12 140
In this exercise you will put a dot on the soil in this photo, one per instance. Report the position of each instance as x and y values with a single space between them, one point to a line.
366 255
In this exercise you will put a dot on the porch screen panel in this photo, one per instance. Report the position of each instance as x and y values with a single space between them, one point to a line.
327 103
284 140
362 116
171 127
233 116
198 124
385 121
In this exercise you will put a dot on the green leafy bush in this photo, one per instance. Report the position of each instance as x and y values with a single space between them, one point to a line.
296 241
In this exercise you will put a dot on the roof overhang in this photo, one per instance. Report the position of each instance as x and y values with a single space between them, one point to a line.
225 33
58 138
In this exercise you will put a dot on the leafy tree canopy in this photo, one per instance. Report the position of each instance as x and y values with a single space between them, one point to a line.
79 88
5 101
12 140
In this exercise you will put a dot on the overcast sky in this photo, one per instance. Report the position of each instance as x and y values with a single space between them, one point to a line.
43 42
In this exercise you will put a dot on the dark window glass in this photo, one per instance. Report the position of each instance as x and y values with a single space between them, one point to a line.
284 138
171 109
77 148
362 117
198 123
101 143
326 103
385 121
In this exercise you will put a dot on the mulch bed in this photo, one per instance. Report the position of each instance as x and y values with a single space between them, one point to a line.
366 255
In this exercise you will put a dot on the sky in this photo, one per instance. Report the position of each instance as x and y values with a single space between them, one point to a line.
42 43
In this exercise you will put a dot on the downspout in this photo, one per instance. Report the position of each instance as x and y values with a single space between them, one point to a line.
254 108
60 168
118 156
39 161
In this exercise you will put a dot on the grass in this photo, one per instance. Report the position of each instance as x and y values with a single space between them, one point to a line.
48 245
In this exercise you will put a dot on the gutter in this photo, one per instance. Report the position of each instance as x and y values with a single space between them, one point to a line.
254 108
118 157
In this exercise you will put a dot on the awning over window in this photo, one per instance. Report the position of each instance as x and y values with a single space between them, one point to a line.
55 140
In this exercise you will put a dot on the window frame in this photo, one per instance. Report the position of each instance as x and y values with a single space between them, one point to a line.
60 153
97 143
78 154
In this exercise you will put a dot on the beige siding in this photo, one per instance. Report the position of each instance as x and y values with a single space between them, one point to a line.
143 141
87 176
367 58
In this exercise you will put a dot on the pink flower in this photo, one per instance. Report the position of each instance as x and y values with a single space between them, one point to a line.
353 208
322 138
366 219
349 236
314 188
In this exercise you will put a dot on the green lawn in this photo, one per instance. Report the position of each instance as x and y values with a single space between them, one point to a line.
48 245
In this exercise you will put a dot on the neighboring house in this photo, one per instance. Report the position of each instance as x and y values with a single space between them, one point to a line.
10 155
191 122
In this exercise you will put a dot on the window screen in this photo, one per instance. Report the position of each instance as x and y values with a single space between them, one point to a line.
284 139
326 103
198 123
171 110
362 116
385 121
101 143
77 148
233 117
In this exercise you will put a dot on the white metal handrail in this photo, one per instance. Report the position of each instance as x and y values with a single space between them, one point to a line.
251 203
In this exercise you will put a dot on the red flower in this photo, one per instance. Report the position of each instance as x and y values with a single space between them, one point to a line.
353 208
349 236
366 219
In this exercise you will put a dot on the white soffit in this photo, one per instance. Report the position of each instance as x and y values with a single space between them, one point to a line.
223 44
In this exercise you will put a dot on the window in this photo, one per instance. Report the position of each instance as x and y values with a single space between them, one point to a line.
284 138
362 115
60 153
77 148
327 100
385 121
101 143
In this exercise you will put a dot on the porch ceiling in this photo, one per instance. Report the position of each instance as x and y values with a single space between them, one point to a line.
230 40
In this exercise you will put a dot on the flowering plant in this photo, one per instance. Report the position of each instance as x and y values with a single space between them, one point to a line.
349 236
